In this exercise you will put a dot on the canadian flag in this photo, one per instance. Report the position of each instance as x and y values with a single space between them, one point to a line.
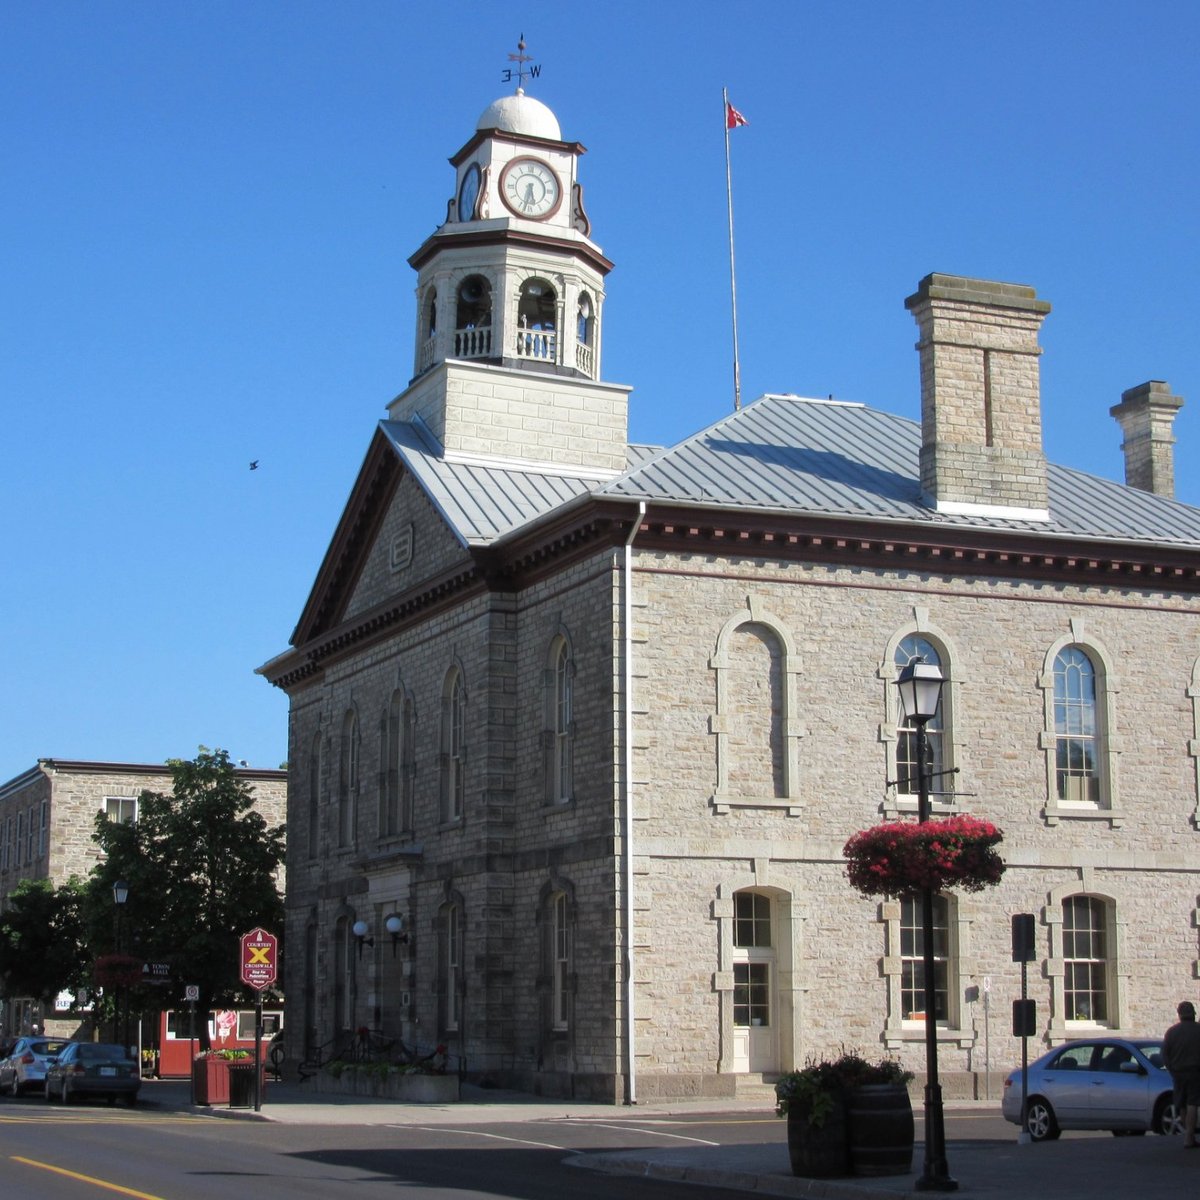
733 118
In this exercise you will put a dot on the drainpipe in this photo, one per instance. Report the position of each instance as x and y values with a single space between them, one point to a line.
627 803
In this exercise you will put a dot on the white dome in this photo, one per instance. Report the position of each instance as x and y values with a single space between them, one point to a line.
520 114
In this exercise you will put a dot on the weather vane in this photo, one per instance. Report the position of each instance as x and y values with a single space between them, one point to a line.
521 70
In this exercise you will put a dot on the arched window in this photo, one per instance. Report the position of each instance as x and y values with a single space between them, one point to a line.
343 975
431 313
454 746
915 648
537 321
1079 686
397 766
1076 772
314 797
348 781
473 318
560 723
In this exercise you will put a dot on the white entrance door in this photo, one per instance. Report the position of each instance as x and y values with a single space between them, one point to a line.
755 1035
753 1019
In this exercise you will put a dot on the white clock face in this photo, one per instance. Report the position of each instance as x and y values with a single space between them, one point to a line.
530 188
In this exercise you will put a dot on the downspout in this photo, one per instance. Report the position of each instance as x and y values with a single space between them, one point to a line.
627 802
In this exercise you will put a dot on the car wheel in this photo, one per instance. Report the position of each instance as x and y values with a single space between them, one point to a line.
66 1093
14 1088
1040 1122
46 1090
1168 1121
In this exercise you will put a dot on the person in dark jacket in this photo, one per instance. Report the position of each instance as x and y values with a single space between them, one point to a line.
1181 1056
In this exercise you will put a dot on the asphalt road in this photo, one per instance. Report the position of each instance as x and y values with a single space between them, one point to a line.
52 1153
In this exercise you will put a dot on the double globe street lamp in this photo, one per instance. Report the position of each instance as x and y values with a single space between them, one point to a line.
920 687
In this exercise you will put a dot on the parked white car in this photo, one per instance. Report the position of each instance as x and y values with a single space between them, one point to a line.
24 1070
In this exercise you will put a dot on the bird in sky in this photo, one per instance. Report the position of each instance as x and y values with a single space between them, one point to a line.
254 465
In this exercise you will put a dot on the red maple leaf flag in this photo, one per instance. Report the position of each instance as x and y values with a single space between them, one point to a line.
733 118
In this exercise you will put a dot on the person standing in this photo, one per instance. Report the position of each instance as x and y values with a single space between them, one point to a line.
1181 1056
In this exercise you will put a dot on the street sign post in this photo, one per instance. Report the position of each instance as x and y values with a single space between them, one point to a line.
260 951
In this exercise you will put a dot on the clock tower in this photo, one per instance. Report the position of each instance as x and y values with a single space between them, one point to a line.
510 299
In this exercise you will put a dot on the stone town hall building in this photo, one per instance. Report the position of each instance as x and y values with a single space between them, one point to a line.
593 720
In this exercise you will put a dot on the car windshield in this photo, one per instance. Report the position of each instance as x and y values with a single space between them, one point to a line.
1153 1051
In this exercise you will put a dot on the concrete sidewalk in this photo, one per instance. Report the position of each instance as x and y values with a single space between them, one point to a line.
1077 1167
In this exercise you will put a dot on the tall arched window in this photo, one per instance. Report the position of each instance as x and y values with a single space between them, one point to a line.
391 755
584 317
431 313
537 321
473 318
1076 772
314 797
1085 959
916 648
560 723
454 746
349 779
1080 686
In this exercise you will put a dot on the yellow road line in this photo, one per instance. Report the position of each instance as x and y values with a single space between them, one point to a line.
111 1187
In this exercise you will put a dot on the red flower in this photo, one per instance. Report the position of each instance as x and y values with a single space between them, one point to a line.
901 856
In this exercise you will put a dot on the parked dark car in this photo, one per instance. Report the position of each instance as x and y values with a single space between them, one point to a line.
93 1069
1100 1083
25 1067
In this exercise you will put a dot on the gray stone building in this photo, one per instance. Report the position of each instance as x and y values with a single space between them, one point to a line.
579 727
47 818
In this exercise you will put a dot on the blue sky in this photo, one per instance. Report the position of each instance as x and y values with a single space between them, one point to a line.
208 209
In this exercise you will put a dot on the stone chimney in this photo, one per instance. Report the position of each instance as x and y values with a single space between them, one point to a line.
1147 413
981 422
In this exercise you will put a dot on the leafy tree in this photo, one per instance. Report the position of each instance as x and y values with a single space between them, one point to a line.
41 940
200 865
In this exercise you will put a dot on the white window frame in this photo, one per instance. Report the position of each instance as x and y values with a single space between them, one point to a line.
1116 975
1107 743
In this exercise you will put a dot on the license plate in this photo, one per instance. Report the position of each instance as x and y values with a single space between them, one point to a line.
108 1070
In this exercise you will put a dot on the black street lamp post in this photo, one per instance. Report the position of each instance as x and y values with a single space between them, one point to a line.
120 1016
920 687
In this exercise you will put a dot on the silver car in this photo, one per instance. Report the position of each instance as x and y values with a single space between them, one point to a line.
1101 1083
24 1070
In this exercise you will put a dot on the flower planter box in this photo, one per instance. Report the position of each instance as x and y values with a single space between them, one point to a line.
210 1079
403 1088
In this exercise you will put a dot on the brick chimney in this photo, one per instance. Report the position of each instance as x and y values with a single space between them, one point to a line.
981 422
1147 413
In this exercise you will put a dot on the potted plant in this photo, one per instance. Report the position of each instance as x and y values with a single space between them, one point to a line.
898 857
210 1074
847 1116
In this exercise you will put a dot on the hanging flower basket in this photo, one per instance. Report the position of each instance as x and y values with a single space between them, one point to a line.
117 971
902 856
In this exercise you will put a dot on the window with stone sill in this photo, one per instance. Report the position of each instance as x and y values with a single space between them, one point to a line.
904 970
558 735
453 755
1087 979
1079 686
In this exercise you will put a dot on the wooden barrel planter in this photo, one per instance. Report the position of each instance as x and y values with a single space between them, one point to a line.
818 1151
880 1122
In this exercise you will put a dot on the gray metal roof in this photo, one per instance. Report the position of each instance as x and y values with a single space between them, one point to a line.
780 453
838 459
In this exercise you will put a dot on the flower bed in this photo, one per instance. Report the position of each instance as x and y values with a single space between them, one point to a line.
901 856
